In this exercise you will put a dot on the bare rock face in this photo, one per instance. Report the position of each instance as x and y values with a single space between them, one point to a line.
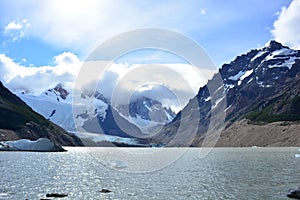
63 93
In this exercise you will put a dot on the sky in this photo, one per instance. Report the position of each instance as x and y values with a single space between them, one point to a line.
47 41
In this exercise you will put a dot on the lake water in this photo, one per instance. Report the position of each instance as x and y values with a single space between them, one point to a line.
225 173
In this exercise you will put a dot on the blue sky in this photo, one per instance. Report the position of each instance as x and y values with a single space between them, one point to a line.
45 43
33 32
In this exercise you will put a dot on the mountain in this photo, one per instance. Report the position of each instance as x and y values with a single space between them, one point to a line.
54 104
57 105
19 121
151 110
148 114
256 91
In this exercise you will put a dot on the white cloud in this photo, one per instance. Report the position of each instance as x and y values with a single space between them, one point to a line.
66 58
84 24
38 79
180 79
16 30
287 27
12 26
171 84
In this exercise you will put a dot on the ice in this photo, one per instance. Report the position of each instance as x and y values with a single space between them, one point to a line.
237 76
217 102
96 137
146 126
250 80
280 52
288 63
241 76
260 53
246 74
42 144
47 102
169 117
229 86
207 99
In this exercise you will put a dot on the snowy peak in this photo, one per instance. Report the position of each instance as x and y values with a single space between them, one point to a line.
147 109
58 93
263 67
96 117
94 94
273 46
63 93
257 73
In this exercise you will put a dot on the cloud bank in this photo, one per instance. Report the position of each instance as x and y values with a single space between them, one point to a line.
287 26
36 80
135 79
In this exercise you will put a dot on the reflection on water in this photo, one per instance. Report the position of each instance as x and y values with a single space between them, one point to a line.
226 173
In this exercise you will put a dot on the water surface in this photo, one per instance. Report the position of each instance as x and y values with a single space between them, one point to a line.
225 173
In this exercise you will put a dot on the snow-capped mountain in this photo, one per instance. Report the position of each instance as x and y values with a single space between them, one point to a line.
258 75
57 106
54 104
151 110
148 114
261 85
19 121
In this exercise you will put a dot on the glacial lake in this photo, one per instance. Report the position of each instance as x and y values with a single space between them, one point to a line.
220 173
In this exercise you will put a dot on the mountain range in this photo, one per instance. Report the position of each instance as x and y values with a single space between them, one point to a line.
258 98
140 116
252 101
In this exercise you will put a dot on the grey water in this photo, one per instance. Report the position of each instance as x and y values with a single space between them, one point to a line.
223 173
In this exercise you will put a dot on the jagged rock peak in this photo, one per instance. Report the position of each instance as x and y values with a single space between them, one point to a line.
274 45
63 93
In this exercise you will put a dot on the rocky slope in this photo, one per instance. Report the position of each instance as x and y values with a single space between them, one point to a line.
19 121
243 133
262 86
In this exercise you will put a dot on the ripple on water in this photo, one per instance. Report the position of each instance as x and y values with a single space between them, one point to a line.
261 173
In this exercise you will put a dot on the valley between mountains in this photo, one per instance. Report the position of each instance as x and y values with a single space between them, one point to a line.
255 103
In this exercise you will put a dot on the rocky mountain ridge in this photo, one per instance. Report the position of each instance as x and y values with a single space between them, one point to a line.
261 86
